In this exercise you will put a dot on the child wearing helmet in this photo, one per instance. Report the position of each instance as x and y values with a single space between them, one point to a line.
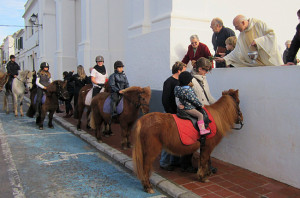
43 79
189 100
117 81
98 75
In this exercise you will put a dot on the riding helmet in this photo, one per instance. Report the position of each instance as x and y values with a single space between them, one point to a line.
12 56
43 65
99 59
185 78
118 64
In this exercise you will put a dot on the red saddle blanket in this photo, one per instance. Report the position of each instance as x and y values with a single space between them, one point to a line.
187 132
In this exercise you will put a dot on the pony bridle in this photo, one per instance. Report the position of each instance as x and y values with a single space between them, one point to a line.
25 81
59 92
138 104
239 118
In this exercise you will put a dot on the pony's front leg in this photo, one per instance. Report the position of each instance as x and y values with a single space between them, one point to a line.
50 125
21 106
203 165
124 136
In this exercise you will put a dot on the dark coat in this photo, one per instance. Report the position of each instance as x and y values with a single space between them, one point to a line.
168 97
202 51
78 84
295 45
70 83
218 39
12 68
118 81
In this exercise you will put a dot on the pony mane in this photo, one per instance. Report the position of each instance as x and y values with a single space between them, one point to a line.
23 74
132 89
224 111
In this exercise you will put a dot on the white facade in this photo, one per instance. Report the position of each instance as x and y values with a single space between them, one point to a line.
269 143
8 49
149 36
19 48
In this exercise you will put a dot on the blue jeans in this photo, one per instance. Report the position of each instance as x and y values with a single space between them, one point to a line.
167 159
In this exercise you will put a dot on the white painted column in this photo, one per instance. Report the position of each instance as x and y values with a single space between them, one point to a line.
83 53
65 54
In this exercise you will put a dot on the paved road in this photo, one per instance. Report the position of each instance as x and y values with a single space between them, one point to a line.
56 163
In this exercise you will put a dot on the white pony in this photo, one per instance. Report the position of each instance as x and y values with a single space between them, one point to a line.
18 90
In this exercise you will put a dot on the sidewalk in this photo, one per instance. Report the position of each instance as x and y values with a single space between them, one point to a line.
230 181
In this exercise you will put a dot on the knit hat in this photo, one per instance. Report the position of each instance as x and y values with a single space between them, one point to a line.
185 78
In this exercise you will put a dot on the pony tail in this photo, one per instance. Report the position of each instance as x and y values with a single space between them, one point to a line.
92 120
137 153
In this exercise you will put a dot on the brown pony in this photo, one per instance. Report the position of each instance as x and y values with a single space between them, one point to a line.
81 103
134 98
56 90
157 131
3 79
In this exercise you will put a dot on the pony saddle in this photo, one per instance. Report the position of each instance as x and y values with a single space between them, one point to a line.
106 106
43 99
184 115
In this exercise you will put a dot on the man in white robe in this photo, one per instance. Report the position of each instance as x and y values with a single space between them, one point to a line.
254 36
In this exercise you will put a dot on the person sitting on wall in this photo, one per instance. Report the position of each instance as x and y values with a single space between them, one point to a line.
117 82
195 51
98 75
12 69
230 45
286 51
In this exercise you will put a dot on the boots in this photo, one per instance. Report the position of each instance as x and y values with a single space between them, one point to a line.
202 129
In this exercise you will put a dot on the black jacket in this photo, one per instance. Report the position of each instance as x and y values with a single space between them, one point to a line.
218 39
118 81
78 83
168 96
70 84
12 68
295 45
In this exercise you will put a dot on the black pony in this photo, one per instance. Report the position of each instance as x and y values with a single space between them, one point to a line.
56 90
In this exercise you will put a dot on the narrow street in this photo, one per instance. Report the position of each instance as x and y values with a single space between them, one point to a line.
56 163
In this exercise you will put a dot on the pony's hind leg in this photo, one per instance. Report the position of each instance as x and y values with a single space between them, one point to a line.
152 149
15 103
5 104
203 165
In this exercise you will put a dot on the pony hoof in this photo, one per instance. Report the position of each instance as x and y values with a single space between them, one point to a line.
51 127
129 145
16 116
41 128
78 129
124 147
149 190
100 141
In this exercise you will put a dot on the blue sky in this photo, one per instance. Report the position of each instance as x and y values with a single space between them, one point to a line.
11 12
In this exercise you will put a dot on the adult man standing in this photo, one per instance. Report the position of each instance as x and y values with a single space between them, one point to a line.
168 101
295 45
12 69
195 51
219 36
254 36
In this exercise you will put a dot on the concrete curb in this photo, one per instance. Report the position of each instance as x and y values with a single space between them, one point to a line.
156 180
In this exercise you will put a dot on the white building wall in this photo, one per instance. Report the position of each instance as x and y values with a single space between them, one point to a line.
269 143
8 48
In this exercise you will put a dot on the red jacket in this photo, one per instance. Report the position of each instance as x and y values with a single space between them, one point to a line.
202 51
